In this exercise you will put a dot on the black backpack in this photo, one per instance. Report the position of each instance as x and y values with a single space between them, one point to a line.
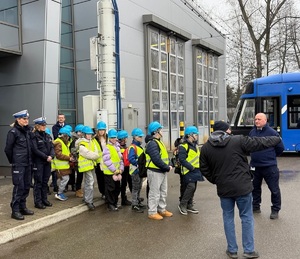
142 165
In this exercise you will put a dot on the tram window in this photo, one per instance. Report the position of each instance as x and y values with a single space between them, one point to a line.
293 102
247 113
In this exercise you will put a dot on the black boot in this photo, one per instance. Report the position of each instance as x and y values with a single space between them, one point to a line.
17 215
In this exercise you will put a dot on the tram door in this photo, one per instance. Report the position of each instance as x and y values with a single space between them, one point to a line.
271 107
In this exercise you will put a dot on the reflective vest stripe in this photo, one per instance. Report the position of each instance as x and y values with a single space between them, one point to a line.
192 158
84 164
62 164
115 159
163 154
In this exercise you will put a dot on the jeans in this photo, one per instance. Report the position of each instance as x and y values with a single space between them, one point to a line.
244 204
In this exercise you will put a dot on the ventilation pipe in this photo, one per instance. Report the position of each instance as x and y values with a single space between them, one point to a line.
107 61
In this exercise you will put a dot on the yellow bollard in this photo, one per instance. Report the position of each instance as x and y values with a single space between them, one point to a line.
212 122
181 127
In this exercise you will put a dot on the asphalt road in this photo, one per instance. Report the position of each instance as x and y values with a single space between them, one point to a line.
125 234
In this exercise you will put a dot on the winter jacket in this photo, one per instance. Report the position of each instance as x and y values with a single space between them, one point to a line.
132 155
41 146
59 155
266 157
107 158
87 153
223 161
153 150
18 147
55 129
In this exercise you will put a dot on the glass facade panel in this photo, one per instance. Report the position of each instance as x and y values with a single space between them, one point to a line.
66 12
155 79
165 120
164 81
66 57
67 89
66 35
9 11
154 59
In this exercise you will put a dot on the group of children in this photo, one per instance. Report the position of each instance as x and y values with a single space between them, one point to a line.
99 154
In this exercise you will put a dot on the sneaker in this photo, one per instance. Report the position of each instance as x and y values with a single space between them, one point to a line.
256 210
79 193
112 208
274 214
251 255
90 206
136 208
232 255
155 216
142 206
192 209
165 213
126 203
182 209
61 197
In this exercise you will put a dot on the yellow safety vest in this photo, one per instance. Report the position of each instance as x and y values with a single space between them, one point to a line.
61 164
99 148
193 158
163 155
115 159
85 164
139 151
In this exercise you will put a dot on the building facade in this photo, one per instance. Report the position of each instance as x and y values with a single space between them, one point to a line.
172 62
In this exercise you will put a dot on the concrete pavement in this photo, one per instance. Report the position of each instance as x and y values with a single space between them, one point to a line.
11 229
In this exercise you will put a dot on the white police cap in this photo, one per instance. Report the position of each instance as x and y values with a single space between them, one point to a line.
41 120
21 114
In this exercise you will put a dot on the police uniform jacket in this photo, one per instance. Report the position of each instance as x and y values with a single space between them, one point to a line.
223 161
42 147
18 148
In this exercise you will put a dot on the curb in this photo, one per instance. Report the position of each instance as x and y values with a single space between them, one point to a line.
30 227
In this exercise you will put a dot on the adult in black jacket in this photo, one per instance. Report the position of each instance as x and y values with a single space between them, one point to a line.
18 153
223 161
59 124
43 153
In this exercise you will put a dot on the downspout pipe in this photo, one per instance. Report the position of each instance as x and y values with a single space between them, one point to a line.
117 64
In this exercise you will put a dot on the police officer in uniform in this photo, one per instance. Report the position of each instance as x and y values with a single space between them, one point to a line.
18 153
43 153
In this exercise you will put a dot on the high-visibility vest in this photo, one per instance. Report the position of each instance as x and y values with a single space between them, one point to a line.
115 159
193 158
61 164
99 148
139 151
163 155
85 164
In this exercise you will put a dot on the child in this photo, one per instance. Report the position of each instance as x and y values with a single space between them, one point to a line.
113 167
88 154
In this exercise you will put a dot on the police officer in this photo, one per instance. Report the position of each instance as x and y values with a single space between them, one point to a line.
18 153
43 153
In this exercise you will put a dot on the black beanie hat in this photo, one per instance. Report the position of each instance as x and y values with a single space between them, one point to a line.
221 125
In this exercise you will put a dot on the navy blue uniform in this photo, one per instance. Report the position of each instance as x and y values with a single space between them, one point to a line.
42 147
265 164
18 153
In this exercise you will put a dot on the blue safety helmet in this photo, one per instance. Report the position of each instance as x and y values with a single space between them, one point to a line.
69 127
101 125
153 127
112 133
137 132
191 130
122 134
65 130
79 127
47 130
87 130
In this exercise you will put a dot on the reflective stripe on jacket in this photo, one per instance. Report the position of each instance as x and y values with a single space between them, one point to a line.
61 164
192 157
115 159
163 155
139 151
85 164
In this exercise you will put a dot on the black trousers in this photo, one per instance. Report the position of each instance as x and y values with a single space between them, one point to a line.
112 190
21 177
100 179
188 193
41 174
